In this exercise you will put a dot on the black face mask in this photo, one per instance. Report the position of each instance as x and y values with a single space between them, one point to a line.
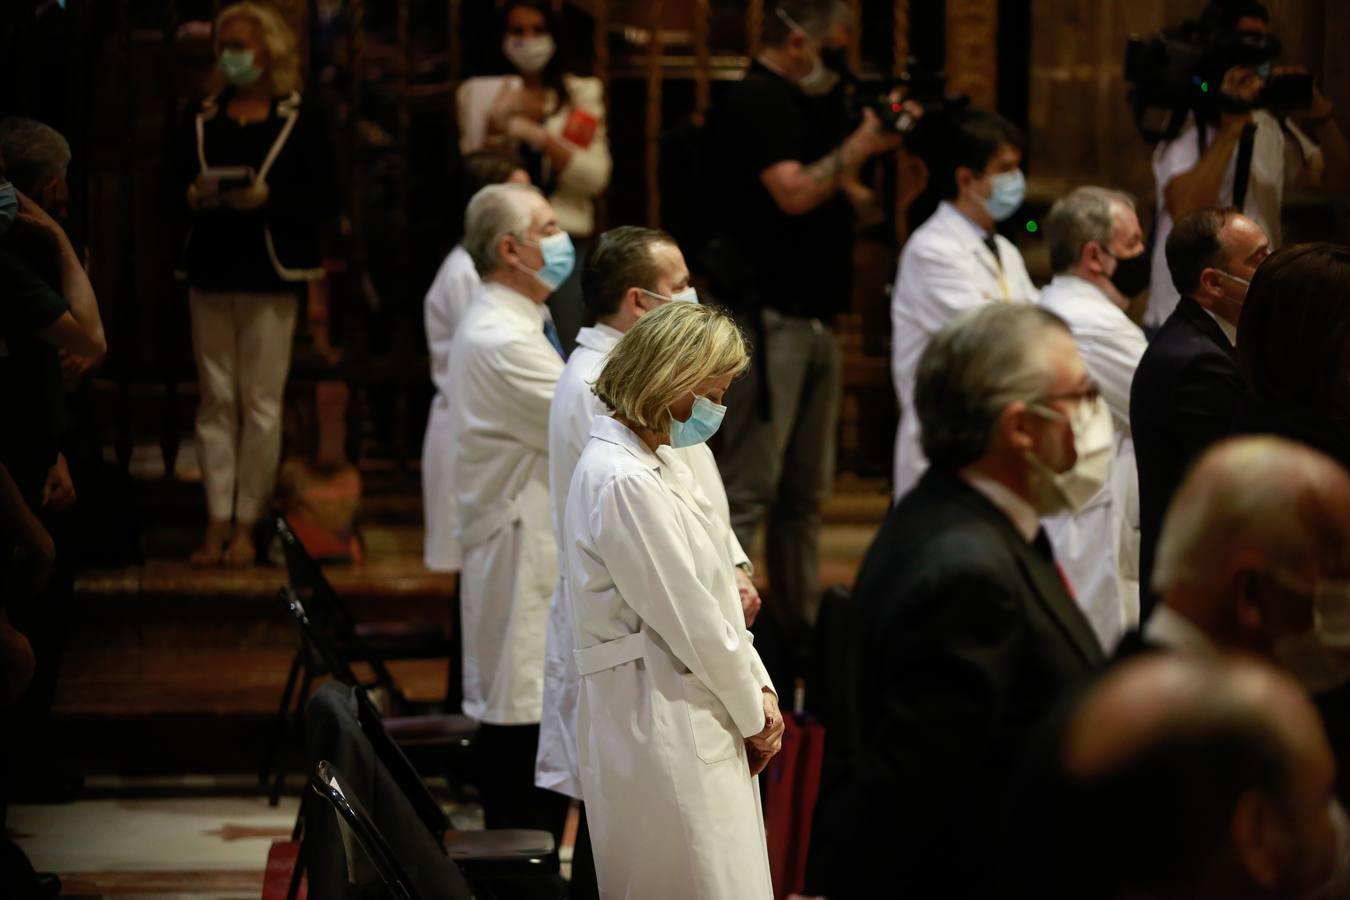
835 59
1132 275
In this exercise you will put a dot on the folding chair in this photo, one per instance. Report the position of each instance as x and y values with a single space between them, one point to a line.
359 831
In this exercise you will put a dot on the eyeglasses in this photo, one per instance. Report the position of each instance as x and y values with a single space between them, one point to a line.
1090 394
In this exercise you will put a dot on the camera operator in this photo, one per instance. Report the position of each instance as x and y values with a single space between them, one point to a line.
1199 167
782 199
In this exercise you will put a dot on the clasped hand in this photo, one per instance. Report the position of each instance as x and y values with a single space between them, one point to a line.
765 746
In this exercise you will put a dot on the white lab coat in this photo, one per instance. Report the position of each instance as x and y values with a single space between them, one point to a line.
505 371
945 269
455 287
1098 546
571 415
670 682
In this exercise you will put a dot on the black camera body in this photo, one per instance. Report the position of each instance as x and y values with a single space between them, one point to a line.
927 88
1177 72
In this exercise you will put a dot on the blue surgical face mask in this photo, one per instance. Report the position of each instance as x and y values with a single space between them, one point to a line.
9 206
704 420
238 66
559 259
1010 189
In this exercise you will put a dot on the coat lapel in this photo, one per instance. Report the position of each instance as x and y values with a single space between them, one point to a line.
1201 321
1041 574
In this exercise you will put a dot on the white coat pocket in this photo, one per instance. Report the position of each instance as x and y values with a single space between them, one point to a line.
715 736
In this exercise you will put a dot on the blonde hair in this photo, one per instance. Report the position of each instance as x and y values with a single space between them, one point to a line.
668 353
283 53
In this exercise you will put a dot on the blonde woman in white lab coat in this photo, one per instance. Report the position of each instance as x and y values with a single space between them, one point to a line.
677 714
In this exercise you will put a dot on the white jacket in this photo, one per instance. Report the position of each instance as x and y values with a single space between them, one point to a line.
670 683
456 286
945 269
505 371
1098 546
587 173
570 418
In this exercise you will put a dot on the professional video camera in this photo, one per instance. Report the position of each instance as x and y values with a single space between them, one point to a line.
1177 72
925 87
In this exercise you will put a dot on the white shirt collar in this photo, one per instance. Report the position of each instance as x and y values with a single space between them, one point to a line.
1079 285
600 338
1229 330
611 430
975 229
1022 513
1170 630
515 302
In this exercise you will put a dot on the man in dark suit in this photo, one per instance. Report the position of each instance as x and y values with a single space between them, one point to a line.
1187 389
966 633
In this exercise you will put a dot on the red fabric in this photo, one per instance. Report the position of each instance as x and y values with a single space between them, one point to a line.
281 859
580 128
1064 577
793 783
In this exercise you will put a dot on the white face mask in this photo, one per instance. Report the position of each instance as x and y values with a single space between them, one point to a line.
1094 444
1319 659
821 79
688 295
529 54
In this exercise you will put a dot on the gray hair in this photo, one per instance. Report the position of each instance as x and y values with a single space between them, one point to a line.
33 152
971 371
496 210
1254 501
815 17
1084 214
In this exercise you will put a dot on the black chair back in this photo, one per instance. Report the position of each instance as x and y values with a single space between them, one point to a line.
328 612
360 831
400 768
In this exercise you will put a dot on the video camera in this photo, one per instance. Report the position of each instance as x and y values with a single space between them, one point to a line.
1177 72
920 85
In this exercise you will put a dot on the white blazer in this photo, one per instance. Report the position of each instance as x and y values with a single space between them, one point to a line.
587 173
945 269
571 416
505 371
1098 546
670 682
455 287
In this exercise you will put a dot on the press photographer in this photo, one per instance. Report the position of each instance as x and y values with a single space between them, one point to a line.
1237 128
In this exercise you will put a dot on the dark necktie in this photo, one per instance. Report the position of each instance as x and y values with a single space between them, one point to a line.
993 248
551 333
1042 546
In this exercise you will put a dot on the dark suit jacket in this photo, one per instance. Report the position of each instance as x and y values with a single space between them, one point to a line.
966 638
1185 397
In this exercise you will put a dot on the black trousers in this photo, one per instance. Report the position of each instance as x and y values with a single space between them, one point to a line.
583 885
505 756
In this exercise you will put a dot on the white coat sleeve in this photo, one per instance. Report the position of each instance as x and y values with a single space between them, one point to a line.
942 287
527 373
653 571
1112 357
587 172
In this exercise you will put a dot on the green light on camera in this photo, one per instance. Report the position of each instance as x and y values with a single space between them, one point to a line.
1204 87
1032 227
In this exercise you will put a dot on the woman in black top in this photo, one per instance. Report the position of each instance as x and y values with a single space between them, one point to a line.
254 171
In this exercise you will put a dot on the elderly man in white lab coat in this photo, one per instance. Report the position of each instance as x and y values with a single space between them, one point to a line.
955 261
455 287
1097 251
630 272
505 366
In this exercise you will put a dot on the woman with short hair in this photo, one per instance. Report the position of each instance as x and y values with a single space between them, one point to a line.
254 168
676 714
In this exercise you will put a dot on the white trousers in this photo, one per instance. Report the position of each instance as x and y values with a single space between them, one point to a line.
242 345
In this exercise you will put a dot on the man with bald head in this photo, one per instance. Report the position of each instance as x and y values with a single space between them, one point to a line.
1187 389
1257 537
1189 777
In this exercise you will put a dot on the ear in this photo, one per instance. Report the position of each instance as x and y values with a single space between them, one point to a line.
1211 282
1012 427
508 248
965 177
1257 838
632 303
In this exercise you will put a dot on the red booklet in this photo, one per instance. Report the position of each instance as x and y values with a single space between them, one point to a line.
580 128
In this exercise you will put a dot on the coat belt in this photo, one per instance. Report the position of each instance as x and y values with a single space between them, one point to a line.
611 653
